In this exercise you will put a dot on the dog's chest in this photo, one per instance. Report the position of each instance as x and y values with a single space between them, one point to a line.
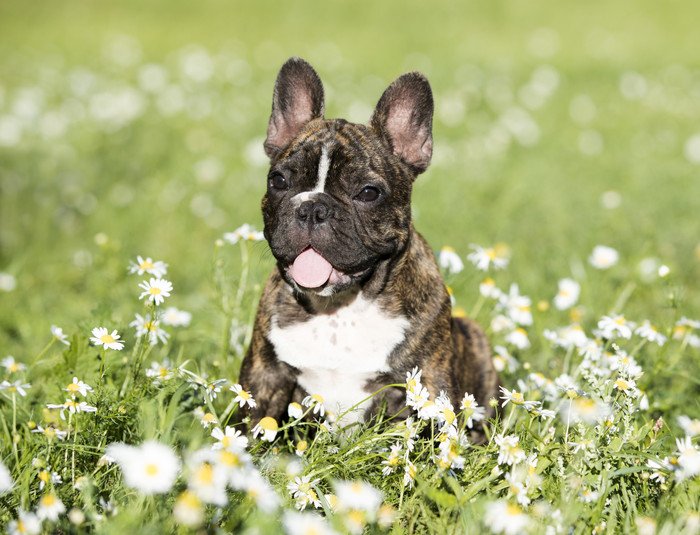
336 354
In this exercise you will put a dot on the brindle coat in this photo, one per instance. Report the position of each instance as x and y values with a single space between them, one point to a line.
375 243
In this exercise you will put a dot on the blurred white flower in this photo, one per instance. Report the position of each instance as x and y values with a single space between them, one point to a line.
518 338
58 335
26 524
144 325
102 337
16 387
508 518
301 489
603 257
509 451
357 496
50 507
688 458
11 365
568 293
450 261
488 288
471 410
518 307
176 318
6 482
485 257
615 326
155 290
583 409
692 149
503 360
188 509
156 268
691 427
316 402
647 331
151 468
244 232
305 524
160 372
295 410
7 282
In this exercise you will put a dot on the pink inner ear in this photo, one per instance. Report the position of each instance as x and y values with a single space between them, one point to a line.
284 126
411 142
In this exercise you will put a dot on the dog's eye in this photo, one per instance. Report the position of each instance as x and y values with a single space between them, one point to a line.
368 194
278 181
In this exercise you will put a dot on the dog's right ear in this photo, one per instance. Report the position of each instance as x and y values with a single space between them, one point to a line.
297 99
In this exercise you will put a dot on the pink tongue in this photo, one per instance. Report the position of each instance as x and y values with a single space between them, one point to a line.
310 269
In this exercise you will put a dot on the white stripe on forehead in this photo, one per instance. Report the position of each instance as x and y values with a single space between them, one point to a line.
324 164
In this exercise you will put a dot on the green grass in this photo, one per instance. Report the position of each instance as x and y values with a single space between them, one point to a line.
77 207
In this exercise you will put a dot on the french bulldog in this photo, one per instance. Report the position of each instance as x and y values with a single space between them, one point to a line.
356 300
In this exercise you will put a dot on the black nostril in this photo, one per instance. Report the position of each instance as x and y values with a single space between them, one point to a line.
304 210
321 212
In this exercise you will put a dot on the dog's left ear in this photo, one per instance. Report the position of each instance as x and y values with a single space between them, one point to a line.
297 99
404 118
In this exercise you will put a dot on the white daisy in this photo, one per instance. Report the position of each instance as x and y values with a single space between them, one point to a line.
11 365
688 458
50 507
78 387
295 410
503 360
488 289
267 427
6 482
358 496
517 307
144 325
508 518
518 338
176 318
158 269
102 337
188 509
243 397
647 331
568 294
301 489
509 451
26 524
208 482
613 326
259 490
230 439
244 232
484 257
16 387
155 290
306 524
603 257
160 372
151 468
691 427
58 334
315 401
450 261
50 432
72 406
471 410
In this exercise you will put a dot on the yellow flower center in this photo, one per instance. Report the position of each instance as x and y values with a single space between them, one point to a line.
205 474
151 469
621 384
268 424
243 394
226 441
154 290
302 445
14 367
620 320
229 459
107 339
48 500
318 398
146 265
209 418
513 510
50 432
44 476
188 499
73 387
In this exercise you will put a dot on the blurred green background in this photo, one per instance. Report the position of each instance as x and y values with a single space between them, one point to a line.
136 128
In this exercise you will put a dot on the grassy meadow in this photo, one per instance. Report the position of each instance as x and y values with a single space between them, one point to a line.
136 128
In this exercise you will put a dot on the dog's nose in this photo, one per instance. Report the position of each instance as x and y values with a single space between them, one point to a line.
315 212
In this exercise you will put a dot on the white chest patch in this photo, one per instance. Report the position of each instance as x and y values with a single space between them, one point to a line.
337 353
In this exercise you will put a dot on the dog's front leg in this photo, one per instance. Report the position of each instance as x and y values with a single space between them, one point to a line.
271 382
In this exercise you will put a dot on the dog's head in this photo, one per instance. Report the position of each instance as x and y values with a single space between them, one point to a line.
338 193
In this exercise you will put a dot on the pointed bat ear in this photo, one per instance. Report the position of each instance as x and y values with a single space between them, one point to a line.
404 118
297 99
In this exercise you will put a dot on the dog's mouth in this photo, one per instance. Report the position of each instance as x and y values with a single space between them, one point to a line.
310 270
